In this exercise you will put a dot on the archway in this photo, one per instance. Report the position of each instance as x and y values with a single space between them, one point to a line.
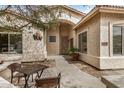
66 37
59 37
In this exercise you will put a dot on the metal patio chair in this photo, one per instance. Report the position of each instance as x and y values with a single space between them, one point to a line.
52 82
15 68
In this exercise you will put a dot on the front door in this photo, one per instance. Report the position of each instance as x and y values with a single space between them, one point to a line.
64 44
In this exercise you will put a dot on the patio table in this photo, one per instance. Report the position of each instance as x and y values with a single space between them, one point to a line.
30 70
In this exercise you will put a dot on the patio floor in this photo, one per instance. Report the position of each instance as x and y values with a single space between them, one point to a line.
72 76
92 70
50 72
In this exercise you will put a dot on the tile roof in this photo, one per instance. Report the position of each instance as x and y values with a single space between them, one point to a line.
112 6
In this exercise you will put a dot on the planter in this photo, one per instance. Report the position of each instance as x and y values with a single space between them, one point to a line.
75 56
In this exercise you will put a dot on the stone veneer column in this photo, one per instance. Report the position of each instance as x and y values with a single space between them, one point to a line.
33 50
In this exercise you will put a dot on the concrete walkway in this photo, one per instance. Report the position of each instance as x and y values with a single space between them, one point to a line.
73 77
5 84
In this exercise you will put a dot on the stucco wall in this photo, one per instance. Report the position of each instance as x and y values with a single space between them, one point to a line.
53 47
99 41
64 29
107 59
72 16
106 20
93 40
67 17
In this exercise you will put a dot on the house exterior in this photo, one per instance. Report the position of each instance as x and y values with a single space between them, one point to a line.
60 38
27 47
19 44
100 37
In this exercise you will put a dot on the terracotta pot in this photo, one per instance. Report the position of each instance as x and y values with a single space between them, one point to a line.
75 56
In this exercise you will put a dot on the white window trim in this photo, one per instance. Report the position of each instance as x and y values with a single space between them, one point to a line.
9 39
111 38
85 30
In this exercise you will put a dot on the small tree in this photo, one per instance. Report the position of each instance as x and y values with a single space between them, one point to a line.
42 16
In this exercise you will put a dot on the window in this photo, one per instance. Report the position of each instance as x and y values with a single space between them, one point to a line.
82 42
10 43
117 39
52 38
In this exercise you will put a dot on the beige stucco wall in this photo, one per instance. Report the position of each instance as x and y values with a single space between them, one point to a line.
93 40
68 18
99 33
69 15
107 59
53 47
63 29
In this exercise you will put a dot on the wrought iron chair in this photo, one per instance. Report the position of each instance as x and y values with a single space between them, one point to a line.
15 67
52 82
27 64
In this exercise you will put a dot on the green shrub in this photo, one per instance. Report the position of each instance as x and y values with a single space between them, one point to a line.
73 50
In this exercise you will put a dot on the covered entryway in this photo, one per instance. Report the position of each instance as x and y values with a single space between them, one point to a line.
59 38
66 34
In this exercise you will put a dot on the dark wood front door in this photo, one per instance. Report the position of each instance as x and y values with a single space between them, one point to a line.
64 44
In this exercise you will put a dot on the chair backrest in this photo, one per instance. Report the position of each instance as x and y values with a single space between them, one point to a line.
49 82
27 63
14 67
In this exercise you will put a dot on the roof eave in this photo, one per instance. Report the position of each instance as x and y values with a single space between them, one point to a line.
87 17
74 10
98 10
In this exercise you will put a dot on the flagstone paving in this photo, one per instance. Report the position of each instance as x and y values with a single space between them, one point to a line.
50 72
72 77
5 84
92 70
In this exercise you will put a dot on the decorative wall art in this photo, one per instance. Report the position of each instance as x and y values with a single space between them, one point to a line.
37 36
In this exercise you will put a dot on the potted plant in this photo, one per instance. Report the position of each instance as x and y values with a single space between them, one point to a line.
74 53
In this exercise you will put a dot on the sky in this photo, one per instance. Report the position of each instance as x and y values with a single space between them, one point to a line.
83 8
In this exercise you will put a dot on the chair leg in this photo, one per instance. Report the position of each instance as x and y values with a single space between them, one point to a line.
18 80
32 77
41 73
11 76
37 74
